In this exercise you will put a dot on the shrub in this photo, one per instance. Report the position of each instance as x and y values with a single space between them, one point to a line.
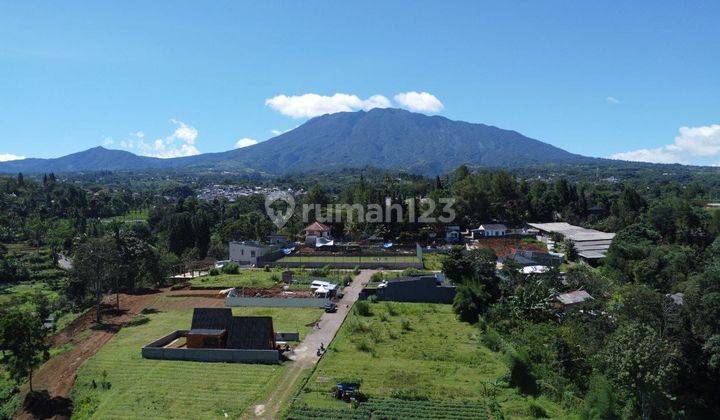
358 327
492 340
405 325
600 401
275 278
138 320
536 410
521 375
214 272
364 346
231 268
377 277
356 270
346 281
391 308
266 268
362 308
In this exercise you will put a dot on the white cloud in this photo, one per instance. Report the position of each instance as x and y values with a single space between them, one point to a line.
312 105
276 132
181 142
245 142
692 145
612 100
419 102
5 157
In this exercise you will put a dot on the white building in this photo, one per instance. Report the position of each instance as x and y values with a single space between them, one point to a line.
250 252
490 230
590 244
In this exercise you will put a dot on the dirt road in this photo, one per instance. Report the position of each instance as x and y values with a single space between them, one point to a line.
305 356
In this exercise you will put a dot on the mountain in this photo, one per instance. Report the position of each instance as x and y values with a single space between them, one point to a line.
382 138
95 159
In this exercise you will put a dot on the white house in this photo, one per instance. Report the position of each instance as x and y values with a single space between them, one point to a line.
490 229
317 232
249 252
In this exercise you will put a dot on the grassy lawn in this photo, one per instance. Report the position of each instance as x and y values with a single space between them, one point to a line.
141 388
350 259
433 261
131 216
415 351
259 279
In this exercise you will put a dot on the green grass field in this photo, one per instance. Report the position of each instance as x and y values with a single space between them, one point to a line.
259 279
349 259
141 388
414 351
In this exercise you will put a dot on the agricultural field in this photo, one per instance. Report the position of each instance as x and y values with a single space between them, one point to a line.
128 386
414 358
350 259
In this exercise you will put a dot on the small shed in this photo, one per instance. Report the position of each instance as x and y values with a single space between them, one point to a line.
571 299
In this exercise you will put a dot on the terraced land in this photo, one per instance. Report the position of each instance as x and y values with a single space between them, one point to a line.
128 386
414 358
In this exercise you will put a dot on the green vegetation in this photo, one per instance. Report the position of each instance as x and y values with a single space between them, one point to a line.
258 279
350 259
141 388
433 261
414 355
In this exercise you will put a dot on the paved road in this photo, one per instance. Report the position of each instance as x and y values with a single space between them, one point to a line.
305 356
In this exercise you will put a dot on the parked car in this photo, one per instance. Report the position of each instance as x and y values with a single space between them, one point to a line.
330 307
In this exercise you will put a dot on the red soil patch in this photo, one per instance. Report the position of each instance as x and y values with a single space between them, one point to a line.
57 375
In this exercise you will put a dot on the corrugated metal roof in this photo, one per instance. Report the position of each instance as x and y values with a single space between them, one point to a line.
577 296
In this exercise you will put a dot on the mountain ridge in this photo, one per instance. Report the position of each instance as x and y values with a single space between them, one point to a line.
384 138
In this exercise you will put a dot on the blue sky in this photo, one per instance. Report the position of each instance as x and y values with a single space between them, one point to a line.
639 80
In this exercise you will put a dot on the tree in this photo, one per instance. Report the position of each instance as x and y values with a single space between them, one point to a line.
642 366
97 267
23 339
477 284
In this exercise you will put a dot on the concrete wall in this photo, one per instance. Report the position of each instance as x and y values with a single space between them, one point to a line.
155 350
276 302
348 265
287 336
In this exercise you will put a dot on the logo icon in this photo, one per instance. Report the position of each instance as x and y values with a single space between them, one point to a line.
278 212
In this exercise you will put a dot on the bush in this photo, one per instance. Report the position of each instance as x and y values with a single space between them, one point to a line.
521 375
600 401
536 410
405 325
138 320
231 268
214 272
346 281
492 340
362 308
356 270
392 309
364 346
266 268
377 277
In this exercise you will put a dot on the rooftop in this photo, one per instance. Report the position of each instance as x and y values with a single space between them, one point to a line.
570 298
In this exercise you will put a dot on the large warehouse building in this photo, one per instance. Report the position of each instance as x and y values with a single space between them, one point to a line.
591 244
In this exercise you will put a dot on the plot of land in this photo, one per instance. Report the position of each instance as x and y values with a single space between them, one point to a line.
141 388
350 259
257 279
412 351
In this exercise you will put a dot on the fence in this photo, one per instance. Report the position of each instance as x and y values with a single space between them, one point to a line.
157 350
276 302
